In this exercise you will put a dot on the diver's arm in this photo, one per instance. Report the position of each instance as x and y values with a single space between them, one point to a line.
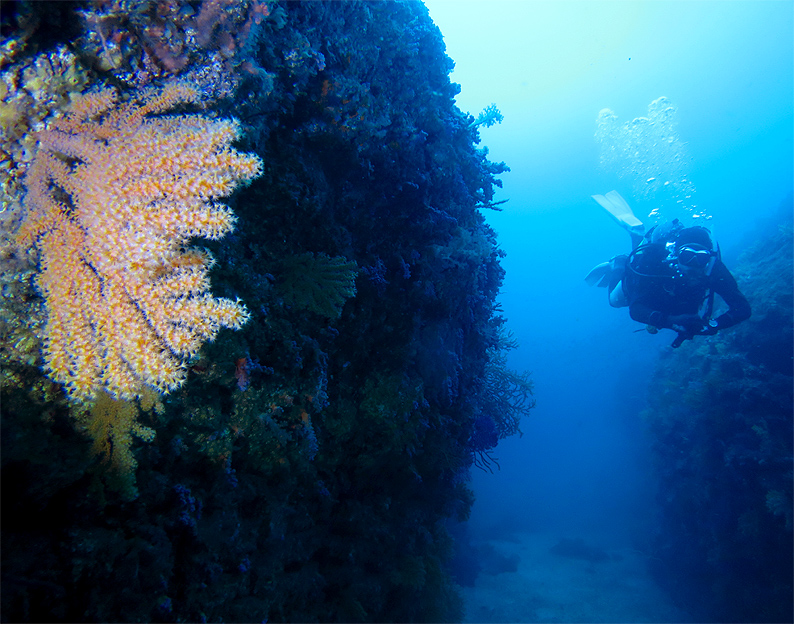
687 324
724 284
642 312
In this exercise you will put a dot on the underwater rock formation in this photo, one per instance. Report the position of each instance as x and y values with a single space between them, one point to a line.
577 548
306 468
721 414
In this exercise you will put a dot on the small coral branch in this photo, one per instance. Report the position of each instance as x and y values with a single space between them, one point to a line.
489 116
318 283
112 423
113 196
508 393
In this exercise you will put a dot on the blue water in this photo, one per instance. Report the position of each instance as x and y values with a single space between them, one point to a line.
582 464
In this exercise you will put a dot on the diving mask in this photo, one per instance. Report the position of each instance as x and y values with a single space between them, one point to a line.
694 256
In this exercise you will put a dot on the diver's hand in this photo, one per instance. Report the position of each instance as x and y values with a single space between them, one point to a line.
679 340
689 324
711 328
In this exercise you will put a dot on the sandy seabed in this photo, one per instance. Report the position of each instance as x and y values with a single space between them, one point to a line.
549 587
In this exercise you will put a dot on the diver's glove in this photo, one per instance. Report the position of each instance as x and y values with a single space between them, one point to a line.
689 324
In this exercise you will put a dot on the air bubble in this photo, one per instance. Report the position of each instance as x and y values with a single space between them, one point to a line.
646 149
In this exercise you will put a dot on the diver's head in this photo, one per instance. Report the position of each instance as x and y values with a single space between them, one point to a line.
695 251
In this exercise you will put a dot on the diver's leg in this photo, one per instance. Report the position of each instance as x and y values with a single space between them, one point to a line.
617 296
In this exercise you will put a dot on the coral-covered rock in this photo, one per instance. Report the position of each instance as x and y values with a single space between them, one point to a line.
307 467
721 413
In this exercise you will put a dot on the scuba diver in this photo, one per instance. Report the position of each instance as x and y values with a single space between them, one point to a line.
669 279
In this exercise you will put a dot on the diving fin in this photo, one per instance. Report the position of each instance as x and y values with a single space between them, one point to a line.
600 275
610 275
609 272
616 206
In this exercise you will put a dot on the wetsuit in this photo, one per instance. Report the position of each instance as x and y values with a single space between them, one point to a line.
660 296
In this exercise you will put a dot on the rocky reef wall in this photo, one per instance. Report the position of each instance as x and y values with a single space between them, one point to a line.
303 465
721 415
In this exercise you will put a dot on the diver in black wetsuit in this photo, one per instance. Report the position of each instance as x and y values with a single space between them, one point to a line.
670 278
671 283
